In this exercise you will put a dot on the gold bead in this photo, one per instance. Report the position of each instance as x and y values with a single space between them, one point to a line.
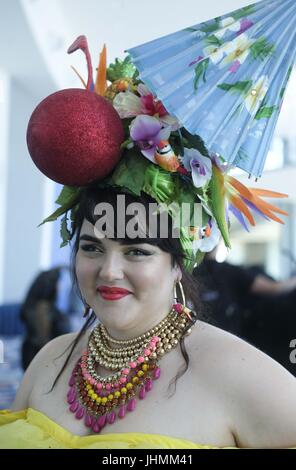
110 397
140 373
135 380
117 394
123 390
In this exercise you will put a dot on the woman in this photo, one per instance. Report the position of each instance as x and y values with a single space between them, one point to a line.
231 395
109 141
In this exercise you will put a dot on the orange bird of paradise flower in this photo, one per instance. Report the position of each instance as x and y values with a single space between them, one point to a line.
242 201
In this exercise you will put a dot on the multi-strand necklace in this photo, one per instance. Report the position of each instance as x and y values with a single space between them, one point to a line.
133 364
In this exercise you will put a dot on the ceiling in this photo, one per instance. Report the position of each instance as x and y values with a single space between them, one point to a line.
36 34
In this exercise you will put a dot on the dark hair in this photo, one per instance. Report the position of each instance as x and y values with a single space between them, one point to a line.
90 197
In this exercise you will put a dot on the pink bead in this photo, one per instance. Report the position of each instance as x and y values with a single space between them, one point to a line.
122 380
72 381
74 406
92 381
148 385
155 339
102 421
111 417
108 387
122 412
142 393
71 392
99 386
147 352
141 359
178 307
125 371
88 421
116 385
71 398
133 365
79 413
96 428
156 373
132 404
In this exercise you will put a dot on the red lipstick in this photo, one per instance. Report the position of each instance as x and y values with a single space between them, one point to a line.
112 293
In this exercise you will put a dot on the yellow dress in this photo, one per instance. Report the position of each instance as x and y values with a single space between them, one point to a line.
30 429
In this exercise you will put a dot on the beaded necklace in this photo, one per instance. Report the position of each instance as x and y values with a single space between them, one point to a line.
101 400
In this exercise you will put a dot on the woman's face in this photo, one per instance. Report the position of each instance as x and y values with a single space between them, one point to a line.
144 270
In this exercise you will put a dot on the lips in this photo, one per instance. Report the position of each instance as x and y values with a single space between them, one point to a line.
112 293
113 290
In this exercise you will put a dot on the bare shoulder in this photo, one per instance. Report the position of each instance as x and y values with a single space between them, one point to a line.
257 392
46 363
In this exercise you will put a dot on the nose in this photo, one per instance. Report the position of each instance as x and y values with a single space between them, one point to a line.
111 268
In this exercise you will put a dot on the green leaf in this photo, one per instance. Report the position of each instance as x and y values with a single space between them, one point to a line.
64 231
190 30
130 171
126 143
261 49
265 112
200 71
213 41
199 258
240 87
67 193
243 12
68 198
210 27
217 203
282 92
122 68
194 141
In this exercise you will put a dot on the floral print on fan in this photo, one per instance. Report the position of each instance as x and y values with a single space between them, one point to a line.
224 79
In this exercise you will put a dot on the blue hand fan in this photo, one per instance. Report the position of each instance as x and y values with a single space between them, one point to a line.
224 79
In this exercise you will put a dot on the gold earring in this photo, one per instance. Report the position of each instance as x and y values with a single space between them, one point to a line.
181 290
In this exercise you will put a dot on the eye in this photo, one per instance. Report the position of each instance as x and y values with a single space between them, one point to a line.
90 248
138 252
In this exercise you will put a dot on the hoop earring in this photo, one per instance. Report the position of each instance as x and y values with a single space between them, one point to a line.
182 292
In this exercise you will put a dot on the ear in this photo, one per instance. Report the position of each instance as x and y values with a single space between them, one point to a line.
177 273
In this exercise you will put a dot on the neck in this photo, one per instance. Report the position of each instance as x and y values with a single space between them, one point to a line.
137 331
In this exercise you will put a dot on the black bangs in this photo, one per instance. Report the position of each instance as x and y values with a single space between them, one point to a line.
127 218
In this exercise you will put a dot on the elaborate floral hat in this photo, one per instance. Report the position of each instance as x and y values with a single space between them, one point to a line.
172 119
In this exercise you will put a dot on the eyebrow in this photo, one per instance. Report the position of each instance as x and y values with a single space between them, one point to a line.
121 241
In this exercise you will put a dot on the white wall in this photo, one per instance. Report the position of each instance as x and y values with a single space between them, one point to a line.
24 198
4 116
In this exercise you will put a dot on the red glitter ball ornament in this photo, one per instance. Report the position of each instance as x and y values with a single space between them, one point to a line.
74 137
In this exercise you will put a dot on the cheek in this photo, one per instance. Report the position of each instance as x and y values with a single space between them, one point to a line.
85 270
153 279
